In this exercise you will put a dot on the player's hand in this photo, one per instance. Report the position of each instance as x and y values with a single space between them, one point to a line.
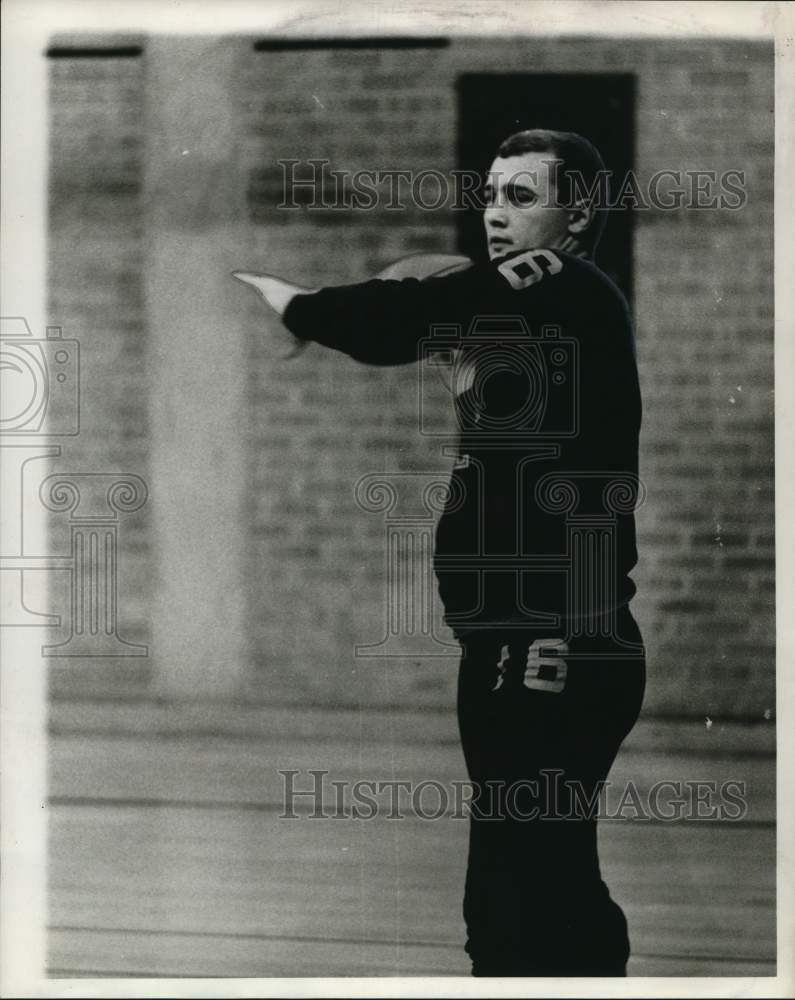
278 293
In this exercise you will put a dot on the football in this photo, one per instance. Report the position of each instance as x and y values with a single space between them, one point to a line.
424 265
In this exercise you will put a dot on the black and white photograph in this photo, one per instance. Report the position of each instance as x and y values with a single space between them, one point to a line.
395 416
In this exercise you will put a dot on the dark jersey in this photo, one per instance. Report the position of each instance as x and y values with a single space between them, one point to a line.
539 522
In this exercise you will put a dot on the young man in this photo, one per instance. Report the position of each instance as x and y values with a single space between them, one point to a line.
534 549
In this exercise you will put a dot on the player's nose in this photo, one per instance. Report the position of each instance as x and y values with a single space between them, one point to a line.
495 214
495 217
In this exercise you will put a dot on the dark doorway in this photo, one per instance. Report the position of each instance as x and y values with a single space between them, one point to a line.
600 106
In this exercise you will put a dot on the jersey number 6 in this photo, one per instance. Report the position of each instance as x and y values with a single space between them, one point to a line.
530 267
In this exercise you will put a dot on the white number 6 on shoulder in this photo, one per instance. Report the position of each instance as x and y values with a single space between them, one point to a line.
529 267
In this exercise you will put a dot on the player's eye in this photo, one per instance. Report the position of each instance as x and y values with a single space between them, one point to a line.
520 195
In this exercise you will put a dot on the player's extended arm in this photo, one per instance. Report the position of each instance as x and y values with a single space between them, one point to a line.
384 321
379 321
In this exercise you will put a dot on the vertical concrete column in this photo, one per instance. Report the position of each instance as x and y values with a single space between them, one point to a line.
196 233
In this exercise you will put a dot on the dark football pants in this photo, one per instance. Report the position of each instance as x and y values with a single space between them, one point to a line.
535 903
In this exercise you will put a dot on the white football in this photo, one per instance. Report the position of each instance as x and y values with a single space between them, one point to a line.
424 265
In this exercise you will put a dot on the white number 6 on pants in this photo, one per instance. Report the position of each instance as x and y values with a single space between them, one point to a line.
546 670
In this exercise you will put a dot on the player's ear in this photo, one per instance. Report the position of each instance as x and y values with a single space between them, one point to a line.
581 216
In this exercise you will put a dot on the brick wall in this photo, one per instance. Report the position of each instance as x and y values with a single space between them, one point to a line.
95 294
703 307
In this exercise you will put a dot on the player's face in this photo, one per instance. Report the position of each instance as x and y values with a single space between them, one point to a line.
521 213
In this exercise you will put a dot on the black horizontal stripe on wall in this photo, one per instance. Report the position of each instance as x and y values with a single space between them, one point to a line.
110 52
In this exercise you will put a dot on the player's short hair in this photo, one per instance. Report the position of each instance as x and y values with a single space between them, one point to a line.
582 170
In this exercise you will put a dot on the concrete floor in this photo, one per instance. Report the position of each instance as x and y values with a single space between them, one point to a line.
168 856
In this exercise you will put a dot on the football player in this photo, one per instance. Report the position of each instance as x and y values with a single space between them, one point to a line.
534 550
